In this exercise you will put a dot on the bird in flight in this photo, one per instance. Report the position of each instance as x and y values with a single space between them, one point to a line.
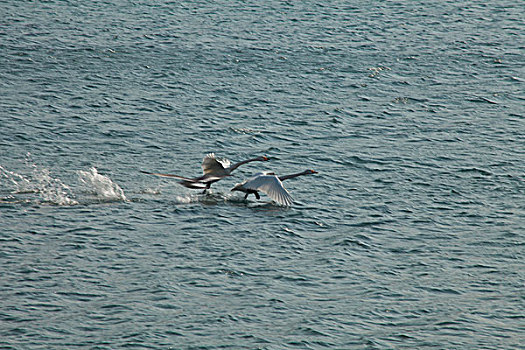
270 184
213 169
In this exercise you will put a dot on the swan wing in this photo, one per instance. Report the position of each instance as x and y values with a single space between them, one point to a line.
213 166
272 186
168 175
200 182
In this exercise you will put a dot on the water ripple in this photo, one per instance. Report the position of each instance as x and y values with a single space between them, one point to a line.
410 236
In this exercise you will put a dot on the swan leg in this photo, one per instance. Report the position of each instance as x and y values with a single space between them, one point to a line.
254 192
208 185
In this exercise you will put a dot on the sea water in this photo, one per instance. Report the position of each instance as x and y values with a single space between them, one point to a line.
411 235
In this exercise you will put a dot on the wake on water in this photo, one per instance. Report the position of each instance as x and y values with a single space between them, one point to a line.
38 186
101 186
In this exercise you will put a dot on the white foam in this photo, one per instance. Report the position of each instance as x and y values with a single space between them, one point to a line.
184 200
53 190
20 183
49 189
101 185
152 191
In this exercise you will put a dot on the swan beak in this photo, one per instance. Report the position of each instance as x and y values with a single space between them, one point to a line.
314 172
265 158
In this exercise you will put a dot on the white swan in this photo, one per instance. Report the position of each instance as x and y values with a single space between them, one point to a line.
270 184
214 169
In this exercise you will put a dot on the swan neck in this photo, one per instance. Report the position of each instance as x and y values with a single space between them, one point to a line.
286 177
236 165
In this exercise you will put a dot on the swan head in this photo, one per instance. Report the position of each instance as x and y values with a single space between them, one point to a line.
310 171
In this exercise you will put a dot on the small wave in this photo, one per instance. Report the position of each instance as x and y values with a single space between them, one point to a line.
476 171
101 185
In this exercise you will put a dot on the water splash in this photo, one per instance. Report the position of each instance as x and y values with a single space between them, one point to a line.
151 191
40 182
53 190
18 183
184 199
101 185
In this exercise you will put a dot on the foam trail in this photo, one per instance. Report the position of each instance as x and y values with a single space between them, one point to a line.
184 200
101 185
49 189
52 189
20 183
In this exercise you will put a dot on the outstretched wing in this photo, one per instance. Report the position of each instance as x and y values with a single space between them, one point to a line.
213 166
168 175
202 182
272 186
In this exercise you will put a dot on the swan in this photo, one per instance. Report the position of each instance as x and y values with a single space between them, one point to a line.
270 184
213 169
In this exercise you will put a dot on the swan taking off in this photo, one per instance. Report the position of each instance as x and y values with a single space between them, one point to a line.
214 169
270 184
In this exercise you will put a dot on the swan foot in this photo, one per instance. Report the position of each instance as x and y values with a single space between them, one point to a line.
252 192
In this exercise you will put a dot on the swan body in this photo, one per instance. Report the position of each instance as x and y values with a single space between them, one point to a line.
270 184
213 169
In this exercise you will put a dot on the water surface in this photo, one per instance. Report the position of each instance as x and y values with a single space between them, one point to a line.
410 236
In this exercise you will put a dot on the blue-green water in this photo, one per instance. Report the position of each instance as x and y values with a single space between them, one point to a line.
410 237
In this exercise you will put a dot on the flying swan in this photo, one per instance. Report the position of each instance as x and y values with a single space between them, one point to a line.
213 170
270 184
